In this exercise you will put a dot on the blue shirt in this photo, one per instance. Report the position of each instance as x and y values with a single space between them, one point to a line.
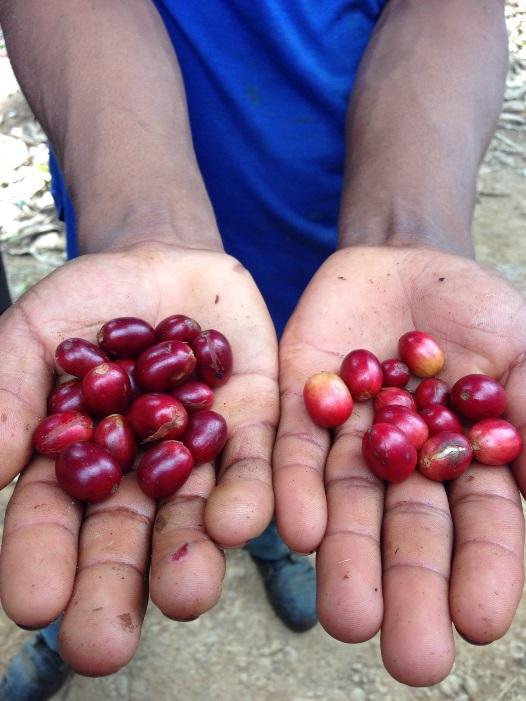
267 84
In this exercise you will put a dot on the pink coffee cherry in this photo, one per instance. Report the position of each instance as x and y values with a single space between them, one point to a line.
362 373
445 456
126 336
327 399
395 372
77 356
214 357
57 431
106 389
479 397
164 468
388 452
87 472
421 353
205 436
494 442
177 327
394 396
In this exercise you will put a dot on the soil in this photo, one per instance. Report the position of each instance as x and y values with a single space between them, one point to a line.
240 650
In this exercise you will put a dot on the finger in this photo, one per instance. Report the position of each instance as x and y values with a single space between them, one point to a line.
348 562
39 547
417 640
187 566
241 505
100 630
25 380
300 453
487 574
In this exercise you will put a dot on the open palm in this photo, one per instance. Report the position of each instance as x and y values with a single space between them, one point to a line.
94 563
413 557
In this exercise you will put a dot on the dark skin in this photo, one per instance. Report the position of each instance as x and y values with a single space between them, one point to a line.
414 144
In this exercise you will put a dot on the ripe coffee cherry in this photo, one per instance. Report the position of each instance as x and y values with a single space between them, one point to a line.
394 396
408 421
77 356
327 399
431 391
439 419
177 328
494 442
87 472
161 367
214 357
421 353
156 417
362 373
126 336
128 366
395 372
388 452
114 433
479 397
66 396
57 431
194 395
107 389
163 469
205 436
445 456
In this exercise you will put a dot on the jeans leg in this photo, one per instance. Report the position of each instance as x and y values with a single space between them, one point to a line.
268 546
50 634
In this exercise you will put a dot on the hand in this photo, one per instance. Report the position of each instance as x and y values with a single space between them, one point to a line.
94 563
410 558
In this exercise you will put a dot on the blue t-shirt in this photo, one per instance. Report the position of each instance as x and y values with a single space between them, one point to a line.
267 84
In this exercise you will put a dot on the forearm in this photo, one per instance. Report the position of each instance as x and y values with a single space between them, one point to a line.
103 80
425 104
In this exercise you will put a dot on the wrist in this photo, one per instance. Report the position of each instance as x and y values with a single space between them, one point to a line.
190 225
399 224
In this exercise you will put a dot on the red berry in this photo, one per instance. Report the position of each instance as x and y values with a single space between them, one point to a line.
327 399
177 328
421 353
114 433
107 389
126 336
479 397
439 419
445 456
408 421
77 356
87 472
194 395
494 441
396 373
128 366
66 396
394 396
156 417
162 366
214 357
205 436
57 431
431 391
163 469
362 373
388 452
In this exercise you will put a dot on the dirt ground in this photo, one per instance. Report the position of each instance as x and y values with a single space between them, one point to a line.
240 650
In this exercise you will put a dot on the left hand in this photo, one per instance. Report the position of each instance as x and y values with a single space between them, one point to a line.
415 557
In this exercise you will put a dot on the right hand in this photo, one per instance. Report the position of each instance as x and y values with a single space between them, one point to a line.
93 563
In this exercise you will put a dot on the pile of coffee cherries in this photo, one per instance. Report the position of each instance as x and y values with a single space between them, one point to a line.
435 429
140 390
